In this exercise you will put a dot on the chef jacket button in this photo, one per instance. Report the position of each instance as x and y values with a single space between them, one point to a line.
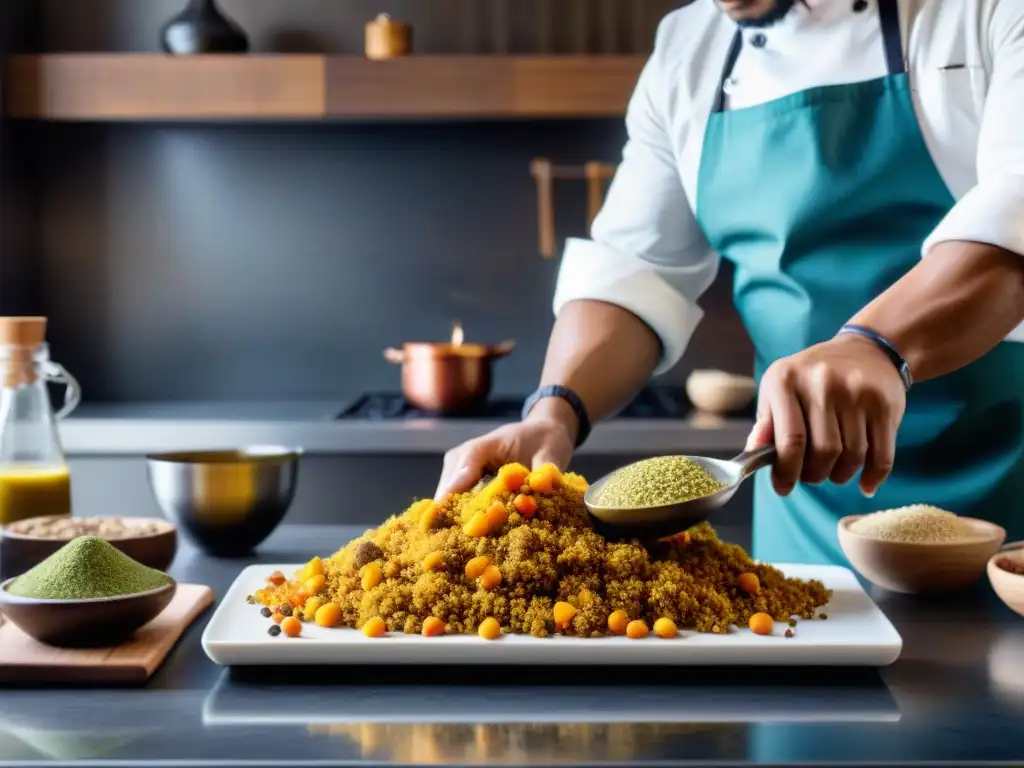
859 6
759 40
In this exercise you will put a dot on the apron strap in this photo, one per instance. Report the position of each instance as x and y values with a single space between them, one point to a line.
730 62
889 15
892 38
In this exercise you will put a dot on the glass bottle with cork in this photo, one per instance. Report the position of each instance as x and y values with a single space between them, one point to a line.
35 480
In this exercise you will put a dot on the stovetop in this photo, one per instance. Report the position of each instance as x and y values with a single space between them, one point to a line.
651 403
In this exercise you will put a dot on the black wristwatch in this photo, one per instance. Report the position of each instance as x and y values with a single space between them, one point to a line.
574 401
887 347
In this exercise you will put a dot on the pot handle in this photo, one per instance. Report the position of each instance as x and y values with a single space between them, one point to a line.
502 349
395 356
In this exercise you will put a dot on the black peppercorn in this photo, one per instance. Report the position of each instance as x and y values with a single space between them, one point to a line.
273 630
789 633
250 599
822 616
792 622
285 609
366 553
265 612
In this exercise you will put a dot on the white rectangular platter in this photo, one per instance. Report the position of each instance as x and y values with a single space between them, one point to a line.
856 633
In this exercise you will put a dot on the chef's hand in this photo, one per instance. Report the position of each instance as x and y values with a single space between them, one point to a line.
532 442
831 410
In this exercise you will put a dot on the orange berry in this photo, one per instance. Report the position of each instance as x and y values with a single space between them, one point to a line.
761 624
526 505
277 618
372 576
665 628
433 562
475 568
429 518
433 626
618 622
327 615
749 583
374 627
296 599
513 476
496 517
540 482
276 578
564 613
637 630
291 627
477 525
490 578
489 629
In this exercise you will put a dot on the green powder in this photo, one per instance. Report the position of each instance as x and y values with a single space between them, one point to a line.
87 567
653 482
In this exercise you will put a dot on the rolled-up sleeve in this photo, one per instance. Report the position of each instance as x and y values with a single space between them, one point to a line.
646 253
993 211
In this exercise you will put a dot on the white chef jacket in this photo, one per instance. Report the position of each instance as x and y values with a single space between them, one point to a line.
966 63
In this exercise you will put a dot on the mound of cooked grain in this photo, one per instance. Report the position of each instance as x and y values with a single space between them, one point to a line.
545 550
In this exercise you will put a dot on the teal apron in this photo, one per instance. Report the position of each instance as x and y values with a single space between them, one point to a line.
822 200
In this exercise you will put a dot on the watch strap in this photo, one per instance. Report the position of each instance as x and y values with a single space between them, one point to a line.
887 347
575 402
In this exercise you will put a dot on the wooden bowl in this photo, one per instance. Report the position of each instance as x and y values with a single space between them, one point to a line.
919 568
1009 586
19 553
92 623
719 392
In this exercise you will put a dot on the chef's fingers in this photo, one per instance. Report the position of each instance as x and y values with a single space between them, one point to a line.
881 452
790 430
463 467
824 441
762 434
854 427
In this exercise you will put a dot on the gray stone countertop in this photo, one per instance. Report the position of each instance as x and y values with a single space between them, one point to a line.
956 696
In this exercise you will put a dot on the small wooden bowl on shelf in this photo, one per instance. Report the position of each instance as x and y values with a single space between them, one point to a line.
1006 574
921 567
719 392
151 541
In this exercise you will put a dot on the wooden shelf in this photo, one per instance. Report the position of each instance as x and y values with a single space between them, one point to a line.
138 87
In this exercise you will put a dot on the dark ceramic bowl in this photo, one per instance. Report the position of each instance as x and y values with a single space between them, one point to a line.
93 623
19 553
226 502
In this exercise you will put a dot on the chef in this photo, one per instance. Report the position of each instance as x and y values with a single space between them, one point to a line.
861 163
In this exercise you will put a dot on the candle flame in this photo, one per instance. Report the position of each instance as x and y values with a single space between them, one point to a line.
458 335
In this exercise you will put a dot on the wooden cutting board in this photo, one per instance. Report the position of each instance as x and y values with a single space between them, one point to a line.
24 660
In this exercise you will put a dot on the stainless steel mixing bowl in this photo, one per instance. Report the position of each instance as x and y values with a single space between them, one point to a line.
227 502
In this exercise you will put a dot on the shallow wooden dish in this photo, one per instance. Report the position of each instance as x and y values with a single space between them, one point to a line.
916 568
92 623
1009 586
19 553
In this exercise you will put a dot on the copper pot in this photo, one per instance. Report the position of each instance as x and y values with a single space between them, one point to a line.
444 377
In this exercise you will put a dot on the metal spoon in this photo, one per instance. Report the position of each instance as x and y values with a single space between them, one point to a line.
669 519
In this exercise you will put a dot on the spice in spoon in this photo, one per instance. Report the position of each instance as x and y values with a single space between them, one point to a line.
87 567
658 481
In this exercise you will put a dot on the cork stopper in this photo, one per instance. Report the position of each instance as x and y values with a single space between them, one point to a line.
21 336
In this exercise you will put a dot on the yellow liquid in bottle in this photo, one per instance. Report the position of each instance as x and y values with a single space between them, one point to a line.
33 491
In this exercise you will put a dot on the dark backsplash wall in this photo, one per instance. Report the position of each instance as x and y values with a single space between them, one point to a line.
256 261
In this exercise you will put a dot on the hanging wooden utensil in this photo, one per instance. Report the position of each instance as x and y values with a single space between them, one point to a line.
543 173
595 174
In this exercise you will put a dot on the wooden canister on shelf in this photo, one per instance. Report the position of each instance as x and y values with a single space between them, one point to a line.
387 38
